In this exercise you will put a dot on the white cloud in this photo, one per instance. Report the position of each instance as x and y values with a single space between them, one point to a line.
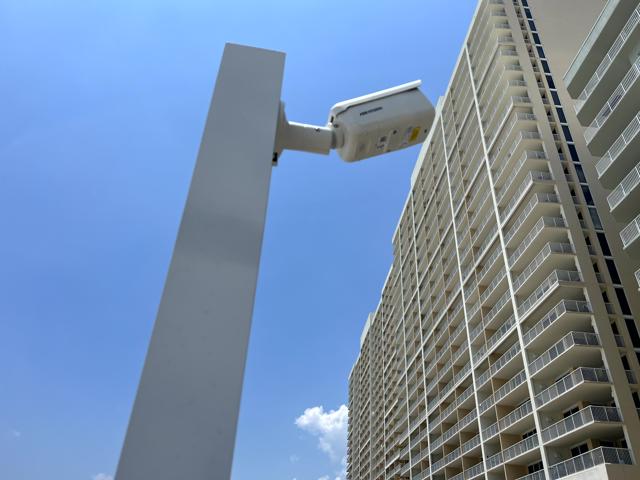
324 477
330 428
16 433
102 476
293 458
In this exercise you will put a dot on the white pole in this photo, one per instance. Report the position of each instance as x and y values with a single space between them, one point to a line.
184 418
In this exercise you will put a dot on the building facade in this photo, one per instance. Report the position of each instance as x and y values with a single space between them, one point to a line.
504 344
604 78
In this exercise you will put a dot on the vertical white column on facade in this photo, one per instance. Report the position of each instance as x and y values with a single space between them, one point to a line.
404 335
419 302
505 258
611 359
464 306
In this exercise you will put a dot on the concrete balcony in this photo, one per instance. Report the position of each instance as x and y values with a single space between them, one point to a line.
516 421
562 255
524 140
507 122
567 315
584 382
470 473
575 348
505 366
603 34
533 159
521 453
544 233
539 475
616 113
460 401
590 459
590 422
624 200
610 70
538 181
543 205
558 278
511 392
614 165
630 235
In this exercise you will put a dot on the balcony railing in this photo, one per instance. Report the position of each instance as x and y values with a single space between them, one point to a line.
631 232
513 451
613 101
578 376
505 422
515 381
469 473
539 475
571 339
496 366
586 416
451 408
533 234
531 178
539 259
590 459
547 284
618 146
564 306
628 184
528 154
610 56
490 315
499 334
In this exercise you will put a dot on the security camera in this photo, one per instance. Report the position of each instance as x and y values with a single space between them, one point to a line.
363 127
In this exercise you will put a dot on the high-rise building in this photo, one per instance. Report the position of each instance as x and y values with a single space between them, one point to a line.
504 344
604 79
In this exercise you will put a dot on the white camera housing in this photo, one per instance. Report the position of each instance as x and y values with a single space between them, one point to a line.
364 127
381 122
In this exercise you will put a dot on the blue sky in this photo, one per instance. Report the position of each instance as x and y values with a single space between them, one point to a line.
103 105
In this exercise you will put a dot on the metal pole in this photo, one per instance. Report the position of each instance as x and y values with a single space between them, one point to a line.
184 418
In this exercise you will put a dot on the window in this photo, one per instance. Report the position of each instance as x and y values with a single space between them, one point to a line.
550 81
633 332
624 306
565 129
574 153
614 328
545 67
587 195
530 433
613 271
540 51
580 173
527 12
579 450
625 362
556 98
570 412
595 218
603 244
532 25
636 399
536 38
560 112
535 467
